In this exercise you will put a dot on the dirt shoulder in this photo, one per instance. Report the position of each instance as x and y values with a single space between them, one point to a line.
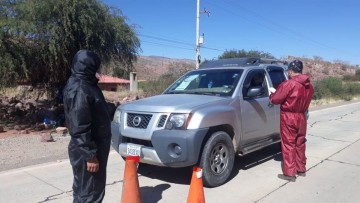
20 150
331 103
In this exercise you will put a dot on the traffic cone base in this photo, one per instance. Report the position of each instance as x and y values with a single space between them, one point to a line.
131 190
196 191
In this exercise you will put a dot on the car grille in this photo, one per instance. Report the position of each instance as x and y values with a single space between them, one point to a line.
146 143
138 120
162 121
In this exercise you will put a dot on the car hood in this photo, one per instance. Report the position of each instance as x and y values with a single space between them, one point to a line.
167 103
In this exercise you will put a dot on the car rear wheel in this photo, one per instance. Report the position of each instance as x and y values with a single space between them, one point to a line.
217 159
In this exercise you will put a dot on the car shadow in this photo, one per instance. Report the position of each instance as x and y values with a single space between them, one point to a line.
183 175
253 159
172 175
151 194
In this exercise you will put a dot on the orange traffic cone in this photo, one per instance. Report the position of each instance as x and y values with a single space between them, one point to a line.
196 192
131 190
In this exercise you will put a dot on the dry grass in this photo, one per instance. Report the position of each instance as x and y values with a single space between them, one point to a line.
121 94
42 94
328 101
25 92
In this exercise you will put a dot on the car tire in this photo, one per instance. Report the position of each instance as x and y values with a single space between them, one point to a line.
217 159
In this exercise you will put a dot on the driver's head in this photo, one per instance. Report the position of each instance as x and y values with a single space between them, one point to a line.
258 80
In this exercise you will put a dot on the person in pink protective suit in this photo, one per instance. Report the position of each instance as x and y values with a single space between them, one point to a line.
294 96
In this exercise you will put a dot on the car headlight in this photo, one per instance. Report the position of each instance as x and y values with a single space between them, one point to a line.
117 116
177 121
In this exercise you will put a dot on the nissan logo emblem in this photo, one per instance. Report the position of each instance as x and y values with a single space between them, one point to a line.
136 120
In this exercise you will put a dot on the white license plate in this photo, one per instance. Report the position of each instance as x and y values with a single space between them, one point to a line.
133 150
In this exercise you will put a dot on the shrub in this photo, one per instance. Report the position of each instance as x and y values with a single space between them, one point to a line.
328 88
351 77
155 87
334 88
320 91
347 77
352 88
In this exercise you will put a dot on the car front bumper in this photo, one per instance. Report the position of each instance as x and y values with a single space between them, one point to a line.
172 148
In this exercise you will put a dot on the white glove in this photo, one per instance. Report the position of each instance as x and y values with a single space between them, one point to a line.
272 90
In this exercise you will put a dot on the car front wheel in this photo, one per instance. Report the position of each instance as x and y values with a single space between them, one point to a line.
217 159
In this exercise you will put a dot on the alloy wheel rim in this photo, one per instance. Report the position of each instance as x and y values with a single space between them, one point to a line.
219 158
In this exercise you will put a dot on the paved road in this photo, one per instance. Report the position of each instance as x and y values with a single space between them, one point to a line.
333 150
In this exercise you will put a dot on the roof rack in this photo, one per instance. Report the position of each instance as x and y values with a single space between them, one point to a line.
239 62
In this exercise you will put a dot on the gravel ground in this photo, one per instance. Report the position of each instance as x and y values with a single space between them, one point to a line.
24 150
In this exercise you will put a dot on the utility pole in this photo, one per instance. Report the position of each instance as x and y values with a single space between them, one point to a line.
199 39
197 59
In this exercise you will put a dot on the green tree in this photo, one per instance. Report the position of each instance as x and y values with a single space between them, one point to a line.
242 53
38 39
12 60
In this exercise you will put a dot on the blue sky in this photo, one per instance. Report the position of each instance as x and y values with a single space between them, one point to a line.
329 29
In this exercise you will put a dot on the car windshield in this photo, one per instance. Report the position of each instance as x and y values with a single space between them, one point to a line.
219 82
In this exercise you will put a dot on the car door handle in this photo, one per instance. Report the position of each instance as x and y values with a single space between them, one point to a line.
270 104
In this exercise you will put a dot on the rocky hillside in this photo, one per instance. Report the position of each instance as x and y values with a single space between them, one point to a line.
152 67
319 69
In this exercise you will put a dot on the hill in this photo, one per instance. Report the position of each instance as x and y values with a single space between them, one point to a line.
152 67
319 69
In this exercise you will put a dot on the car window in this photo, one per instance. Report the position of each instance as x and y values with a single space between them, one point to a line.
255 79
277 76
220 82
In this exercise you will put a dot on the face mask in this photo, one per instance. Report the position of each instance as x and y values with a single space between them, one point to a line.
290 72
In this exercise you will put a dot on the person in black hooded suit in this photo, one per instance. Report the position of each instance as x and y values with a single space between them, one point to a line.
88 122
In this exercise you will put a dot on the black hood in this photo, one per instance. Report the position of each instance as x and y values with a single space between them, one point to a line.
85 65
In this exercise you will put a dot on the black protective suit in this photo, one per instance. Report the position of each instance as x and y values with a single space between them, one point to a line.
88 122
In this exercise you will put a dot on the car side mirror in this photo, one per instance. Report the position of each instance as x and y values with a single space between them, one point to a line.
255 91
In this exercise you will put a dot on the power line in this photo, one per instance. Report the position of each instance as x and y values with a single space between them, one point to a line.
176 42
167 40
299 36
290 33
281 26
167 45
253 21
214 49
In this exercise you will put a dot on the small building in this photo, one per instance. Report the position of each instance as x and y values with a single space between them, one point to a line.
109 83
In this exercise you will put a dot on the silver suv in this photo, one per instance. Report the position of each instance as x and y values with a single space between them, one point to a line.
204 118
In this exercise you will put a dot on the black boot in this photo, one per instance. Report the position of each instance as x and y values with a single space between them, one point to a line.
302 174
288 178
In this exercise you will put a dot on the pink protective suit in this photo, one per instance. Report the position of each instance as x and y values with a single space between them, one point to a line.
294 96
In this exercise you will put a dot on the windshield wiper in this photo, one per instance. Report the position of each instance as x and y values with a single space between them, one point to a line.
202 93
173 92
